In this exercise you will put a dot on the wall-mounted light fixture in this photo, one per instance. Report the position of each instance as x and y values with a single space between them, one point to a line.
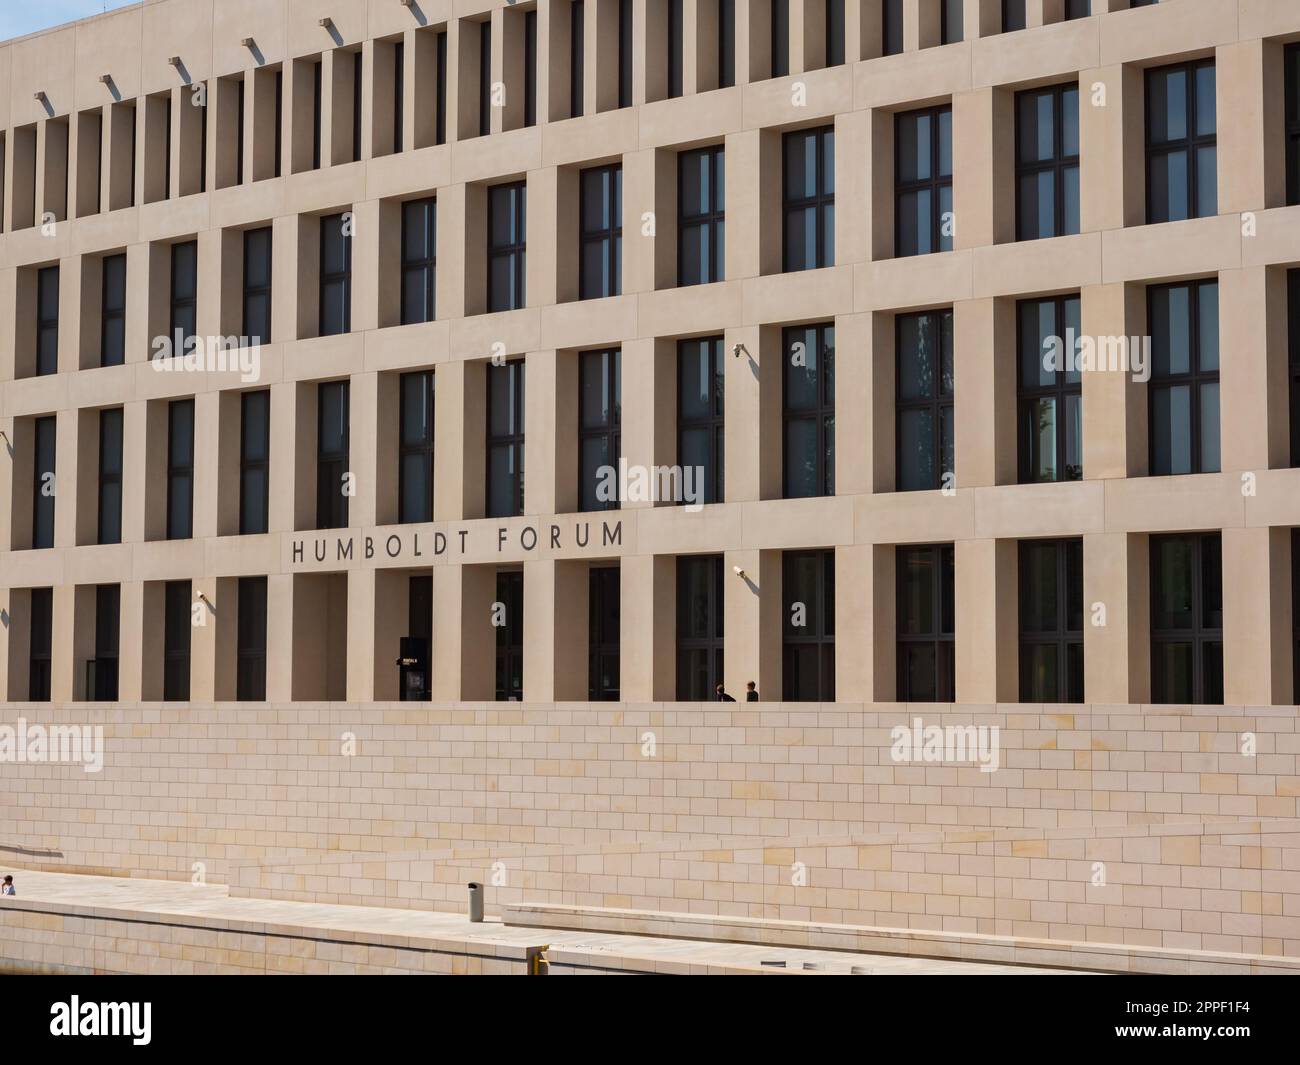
39 95
106 79
247 42
739 572
173 60
326 23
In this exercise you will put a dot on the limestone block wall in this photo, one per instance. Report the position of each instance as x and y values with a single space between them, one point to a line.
699 807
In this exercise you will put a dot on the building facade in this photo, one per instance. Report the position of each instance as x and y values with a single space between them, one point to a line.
425 374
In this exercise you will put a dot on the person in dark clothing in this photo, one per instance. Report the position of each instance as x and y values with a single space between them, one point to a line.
723 697
751 693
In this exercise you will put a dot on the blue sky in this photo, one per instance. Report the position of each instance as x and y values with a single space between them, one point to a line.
18 17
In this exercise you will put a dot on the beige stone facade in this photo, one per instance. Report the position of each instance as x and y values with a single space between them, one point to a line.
103 153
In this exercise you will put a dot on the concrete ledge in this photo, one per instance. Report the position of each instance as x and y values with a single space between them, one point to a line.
952 946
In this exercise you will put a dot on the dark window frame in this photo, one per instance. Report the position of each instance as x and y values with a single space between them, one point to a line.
112 311
181 306
332 506
40 644
675 45
950 12
47 325
891 27
819 635
102 671
711 222
711 645
935 184
940 637
1059 391
936 404
424 266
484 77
1291 133
515 193
510 636
1195 379
513 440
821 203
1293 362
714 423
1059 166
1014 16
603 645
821 414
45 443
420 449
605 428
530 67
1062 636
256 291
250 465
180 470
577 62
1190 144
332 280
251 639
609 179
110 479
177 644
1202 636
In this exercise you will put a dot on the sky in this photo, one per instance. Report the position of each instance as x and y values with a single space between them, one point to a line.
18 17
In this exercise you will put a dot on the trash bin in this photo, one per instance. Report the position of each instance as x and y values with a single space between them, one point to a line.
475 901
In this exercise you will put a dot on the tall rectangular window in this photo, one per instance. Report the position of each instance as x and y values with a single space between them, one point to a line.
950 21
1295 613
399 93
1013 15
1077 9
809 195
923 181
510 636
101 672
413 648
1183 394
112 320
507 246
257 285
40 643
335 276
675 44
701 411
184 295
505 439
331 454
180 469
726 43
577 50
1050 390
699 627
891 36
419 260
1047 162
603 634
279 122
1293 349
924 383
926 624
808 637
250 640
530 67
600 428
1187 618
254 461
780 38
484 78
1051 621
601 195
316 113
1292 68
47 320
109 511
176 641
415 474
43 481
808 376
834 33
239 131
440 111
1182 155
701 216
356 106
